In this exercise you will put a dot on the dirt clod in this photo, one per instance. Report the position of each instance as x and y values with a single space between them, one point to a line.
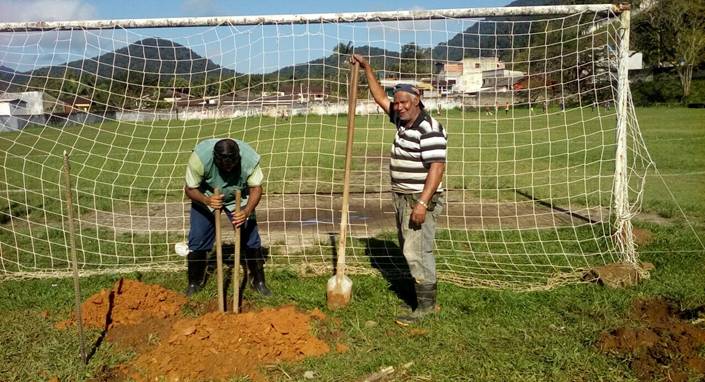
619 275
659 344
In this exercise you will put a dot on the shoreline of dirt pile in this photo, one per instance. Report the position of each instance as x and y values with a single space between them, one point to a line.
659 342
215 346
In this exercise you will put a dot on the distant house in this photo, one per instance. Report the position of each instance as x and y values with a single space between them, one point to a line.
9 103
29 103
176 96
389 83
317 97
19 109
234 98
310 92
472 75
79 103
635 60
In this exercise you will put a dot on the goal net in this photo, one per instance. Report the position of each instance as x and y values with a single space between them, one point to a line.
545 162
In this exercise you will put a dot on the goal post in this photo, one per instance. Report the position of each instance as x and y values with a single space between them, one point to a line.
545 164
624 236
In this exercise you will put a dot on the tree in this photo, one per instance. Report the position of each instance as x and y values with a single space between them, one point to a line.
672 34
343 49
415 60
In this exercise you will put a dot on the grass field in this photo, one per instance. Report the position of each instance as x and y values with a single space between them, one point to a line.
480 334
140 162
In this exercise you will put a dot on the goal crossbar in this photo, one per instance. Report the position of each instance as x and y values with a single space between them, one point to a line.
346 17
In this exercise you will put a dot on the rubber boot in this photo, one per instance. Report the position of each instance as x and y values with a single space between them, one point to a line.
196 268
406 292
256 268
426 305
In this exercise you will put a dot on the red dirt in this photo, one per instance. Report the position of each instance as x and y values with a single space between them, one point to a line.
660 345
642 236
215 346
132 302
129 302
337 300
218 346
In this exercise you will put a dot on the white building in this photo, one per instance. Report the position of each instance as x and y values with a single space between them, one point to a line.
28 103
472 75
19 109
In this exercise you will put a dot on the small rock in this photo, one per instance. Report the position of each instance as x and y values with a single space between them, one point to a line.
370 324
309 374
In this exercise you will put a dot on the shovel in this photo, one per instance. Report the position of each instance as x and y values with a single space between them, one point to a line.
339 287
219 257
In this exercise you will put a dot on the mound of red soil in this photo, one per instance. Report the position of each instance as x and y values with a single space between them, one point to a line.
660 345
218 346
213 347
129 302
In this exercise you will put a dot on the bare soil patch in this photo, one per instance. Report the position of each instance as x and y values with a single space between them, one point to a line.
660 342
642 236
147 319
295 222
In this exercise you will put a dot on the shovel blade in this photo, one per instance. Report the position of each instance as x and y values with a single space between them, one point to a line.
338 292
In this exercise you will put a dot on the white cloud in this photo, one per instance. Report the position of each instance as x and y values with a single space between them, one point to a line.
45 10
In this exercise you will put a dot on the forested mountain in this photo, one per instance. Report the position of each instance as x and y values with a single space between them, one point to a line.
7 75
490 39
327 66
147 68
147 61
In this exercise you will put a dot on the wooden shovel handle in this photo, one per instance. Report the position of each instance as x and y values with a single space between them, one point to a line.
236 266
352 103
219 256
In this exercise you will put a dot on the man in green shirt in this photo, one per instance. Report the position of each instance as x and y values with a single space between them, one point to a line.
227 165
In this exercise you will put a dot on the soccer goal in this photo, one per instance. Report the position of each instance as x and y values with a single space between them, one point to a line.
545 167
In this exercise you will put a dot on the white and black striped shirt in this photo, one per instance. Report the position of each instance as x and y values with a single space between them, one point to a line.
413 151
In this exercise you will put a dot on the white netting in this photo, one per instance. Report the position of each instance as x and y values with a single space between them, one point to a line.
529 104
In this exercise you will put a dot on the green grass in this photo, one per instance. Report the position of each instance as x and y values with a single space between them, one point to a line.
480 334
550 155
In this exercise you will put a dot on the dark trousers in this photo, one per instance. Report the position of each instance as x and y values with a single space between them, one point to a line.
202 232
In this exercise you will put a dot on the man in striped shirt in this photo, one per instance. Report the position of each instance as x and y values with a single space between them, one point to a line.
417 164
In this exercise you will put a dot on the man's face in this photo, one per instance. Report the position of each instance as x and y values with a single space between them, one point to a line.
406 105
227 164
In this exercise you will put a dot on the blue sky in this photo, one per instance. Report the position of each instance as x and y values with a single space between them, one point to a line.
250 49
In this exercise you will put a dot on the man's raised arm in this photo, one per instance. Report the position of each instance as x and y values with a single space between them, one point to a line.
375 88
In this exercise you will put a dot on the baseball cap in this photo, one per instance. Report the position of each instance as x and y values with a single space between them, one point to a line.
411 89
